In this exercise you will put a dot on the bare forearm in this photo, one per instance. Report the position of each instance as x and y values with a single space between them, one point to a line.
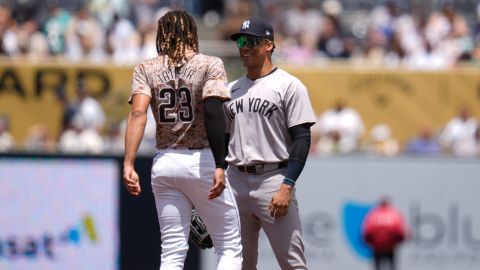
133 135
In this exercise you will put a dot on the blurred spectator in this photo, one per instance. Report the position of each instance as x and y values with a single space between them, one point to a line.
144 12
85 37
383 229
39 139
123 41
302 19
82 120
148 45
114 139
477 141
339 130
476 27
299 32
29 10
7 142
148 36
447 34
55 28
79 139
394 36
30 41
106 10
476 52
389 34
382 142
424 144
296 51
69 109
235 12
87 108
458 135
381 31
8 39
331 42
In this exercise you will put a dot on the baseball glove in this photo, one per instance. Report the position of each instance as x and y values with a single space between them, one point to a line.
198 232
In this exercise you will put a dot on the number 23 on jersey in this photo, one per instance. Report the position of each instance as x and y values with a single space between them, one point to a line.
175 105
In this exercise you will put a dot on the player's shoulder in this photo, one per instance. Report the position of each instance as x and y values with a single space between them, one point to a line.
285 77
235 85
150 63
209 59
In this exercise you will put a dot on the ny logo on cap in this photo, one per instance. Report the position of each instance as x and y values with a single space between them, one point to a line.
246 24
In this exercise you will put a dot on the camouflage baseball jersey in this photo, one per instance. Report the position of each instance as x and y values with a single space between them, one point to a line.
177 96
259 115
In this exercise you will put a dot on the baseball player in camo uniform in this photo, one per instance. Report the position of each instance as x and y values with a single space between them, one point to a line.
186 91
268 119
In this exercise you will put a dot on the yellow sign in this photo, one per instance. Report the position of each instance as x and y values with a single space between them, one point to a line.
405 100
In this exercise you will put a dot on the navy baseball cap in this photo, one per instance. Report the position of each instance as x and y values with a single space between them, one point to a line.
254 27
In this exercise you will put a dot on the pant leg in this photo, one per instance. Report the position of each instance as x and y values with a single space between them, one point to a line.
220 215
391 260
253 194
250 224
377 260
173 210
285 233
384 260
285 237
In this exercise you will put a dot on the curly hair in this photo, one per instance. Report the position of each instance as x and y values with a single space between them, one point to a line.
176 32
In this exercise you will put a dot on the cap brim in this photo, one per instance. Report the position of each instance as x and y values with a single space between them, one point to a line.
235 36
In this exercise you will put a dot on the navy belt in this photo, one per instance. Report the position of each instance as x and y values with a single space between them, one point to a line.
261 168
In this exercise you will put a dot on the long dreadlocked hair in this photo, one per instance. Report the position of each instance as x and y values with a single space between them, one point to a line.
176 32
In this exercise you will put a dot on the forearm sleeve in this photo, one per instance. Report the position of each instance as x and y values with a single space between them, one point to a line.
301 138
215 128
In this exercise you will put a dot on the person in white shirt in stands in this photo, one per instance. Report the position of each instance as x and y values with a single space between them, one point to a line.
339 130
88 109
7 142
459 133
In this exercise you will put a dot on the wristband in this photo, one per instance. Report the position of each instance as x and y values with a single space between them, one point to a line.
288 181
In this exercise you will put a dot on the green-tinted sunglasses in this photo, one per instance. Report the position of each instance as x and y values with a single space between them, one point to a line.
249 41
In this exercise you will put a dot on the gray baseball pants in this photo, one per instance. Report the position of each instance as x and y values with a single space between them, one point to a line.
253 193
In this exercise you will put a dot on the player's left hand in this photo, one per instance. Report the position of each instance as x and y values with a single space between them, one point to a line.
280 201
218 184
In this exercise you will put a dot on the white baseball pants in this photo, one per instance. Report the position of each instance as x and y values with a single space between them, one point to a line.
181 179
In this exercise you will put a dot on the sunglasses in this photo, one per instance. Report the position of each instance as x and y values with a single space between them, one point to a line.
248 41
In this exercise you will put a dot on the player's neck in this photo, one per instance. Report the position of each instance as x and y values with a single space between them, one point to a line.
254 73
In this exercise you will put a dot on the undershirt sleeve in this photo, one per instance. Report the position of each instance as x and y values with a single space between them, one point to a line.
301 138
215 128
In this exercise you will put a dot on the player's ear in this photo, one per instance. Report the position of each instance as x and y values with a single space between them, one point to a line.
270 45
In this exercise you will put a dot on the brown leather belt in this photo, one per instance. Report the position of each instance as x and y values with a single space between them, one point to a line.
261 168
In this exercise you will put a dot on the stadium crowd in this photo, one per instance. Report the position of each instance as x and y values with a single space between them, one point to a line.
431 35
416 34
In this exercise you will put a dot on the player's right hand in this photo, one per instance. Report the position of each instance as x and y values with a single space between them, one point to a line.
131 181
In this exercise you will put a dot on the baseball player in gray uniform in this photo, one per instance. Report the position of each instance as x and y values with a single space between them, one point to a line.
268 120
186 91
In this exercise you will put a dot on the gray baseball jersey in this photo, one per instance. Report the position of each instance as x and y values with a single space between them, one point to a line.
259 114
177 97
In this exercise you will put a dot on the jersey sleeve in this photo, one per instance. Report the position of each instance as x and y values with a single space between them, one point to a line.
139 83
228 121
297 105
216 84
